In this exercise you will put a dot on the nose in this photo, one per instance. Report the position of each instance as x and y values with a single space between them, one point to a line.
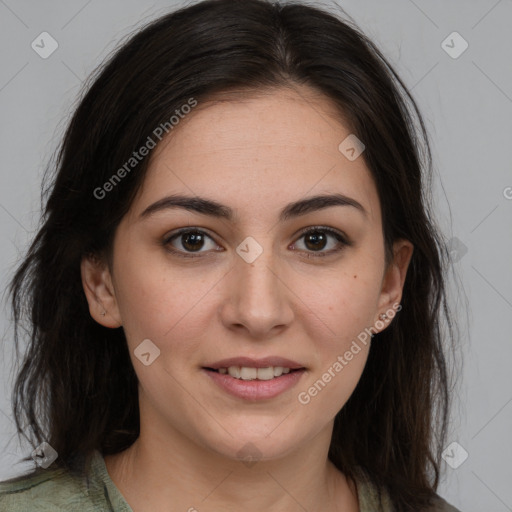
257 299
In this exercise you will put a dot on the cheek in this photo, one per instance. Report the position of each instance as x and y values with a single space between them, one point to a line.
345 301
330 387
159 302
346 308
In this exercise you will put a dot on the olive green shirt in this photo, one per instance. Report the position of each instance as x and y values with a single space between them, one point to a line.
57 490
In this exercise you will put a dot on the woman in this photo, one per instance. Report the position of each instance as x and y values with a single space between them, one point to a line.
235 298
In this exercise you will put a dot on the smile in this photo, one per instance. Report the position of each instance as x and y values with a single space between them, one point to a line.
249 373
254 384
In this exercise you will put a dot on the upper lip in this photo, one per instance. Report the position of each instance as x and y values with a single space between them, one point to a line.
249 362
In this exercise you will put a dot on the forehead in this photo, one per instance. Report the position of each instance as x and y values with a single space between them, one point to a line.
296 120
258 150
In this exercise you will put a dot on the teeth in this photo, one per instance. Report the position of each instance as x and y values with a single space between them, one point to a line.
234 371
265 373
246 373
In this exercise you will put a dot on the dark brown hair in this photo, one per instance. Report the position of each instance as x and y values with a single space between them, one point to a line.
77 388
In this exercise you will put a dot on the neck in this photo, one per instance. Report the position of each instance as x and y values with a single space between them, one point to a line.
156 471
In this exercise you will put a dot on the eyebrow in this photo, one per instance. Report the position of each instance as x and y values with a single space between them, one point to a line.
215 209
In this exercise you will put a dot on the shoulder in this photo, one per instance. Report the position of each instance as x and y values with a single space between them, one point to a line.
85 488
372 499
55 490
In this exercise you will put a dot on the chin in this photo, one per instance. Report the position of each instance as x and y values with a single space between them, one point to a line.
254 445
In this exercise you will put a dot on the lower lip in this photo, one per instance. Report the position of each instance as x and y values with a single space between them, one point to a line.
255 389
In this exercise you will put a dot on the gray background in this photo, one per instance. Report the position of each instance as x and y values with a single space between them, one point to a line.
467 104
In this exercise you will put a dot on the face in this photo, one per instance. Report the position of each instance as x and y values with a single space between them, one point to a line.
265 273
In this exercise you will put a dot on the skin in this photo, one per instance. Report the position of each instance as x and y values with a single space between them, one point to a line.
255 155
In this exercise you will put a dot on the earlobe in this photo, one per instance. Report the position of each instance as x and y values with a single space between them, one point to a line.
394 279
99 291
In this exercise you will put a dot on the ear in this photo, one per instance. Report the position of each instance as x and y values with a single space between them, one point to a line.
99 290
393 282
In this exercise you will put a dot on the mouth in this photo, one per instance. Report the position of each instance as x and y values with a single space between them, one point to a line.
252 373
255 379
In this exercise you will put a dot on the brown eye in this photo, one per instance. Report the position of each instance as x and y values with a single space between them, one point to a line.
319 238
192 241
315 240
188 241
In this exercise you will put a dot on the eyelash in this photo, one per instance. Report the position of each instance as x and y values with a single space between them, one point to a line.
342 239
